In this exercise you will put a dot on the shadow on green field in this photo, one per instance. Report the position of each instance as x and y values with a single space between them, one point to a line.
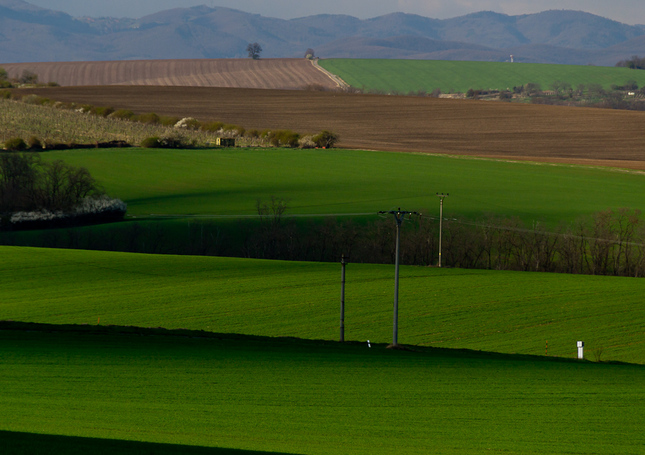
14 443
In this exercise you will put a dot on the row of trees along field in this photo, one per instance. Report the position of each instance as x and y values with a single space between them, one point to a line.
109 127
39 194
606 243
26 78
626 96
635 63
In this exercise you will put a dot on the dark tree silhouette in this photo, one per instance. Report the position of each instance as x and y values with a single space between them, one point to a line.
254 50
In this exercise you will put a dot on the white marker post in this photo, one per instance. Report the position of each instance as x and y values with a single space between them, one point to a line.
581 349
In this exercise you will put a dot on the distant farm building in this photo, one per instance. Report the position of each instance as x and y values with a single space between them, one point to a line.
226 141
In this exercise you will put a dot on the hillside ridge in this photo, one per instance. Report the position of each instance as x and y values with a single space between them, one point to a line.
30 33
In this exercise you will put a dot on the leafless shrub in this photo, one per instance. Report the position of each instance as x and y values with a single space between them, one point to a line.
272 209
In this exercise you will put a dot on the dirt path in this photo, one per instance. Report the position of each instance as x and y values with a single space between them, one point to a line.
336 79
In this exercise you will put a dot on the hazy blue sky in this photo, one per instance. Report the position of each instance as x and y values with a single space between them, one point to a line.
627 11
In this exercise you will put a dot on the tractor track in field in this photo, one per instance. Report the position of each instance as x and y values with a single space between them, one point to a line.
340 83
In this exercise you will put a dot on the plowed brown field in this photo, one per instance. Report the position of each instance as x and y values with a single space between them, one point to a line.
240 73
411 124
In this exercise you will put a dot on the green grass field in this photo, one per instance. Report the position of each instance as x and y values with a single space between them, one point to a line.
283 386
452 76
509 312
229 182
279 395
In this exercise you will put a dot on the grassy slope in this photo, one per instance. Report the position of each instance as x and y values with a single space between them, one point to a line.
449 76
508 312
54 125
313 398
226 182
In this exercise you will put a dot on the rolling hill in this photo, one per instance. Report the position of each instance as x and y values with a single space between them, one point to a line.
495 311
239 73
413 124
96 390
412 76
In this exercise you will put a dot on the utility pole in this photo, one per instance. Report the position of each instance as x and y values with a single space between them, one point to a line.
342 299
441 198
399 216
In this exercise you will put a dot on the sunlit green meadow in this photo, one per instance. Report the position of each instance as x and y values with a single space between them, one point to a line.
510 312
230 182
456 76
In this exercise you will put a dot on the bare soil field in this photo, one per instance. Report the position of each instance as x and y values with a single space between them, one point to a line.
286 74
392 123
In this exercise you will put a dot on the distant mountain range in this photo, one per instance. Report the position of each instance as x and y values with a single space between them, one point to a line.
29 33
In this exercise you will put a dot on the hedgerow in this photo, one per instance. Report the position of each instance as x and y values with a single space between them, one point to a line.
75 132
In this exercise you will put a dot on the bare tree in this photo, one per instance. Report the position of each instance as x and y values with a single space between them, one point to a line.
28 77
274 209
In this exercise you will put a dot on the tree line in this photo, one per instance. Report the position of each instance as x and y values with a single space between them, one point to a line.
29 185
635 63
26 78
611 242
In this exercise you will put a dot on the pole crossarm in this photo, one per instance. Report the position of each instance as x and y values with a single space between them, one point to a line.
399 215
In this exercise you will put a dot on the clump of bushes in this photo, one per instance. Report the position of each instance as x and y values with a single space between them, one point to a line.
151 143
34 143
167 120
15 144
85 109
26 78
233 130
89 210
33 193
212 127
283 138
150 118
101 111
188 123
167 142
122 114
36 100
306 142
325 139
